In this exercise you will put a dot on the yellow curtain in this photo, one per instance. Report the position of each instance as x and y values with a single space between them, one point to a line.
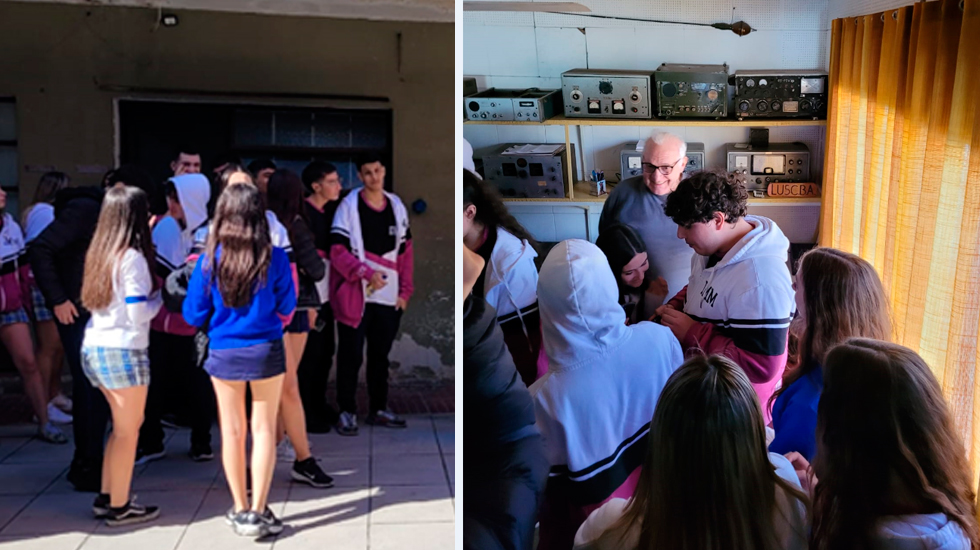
902 180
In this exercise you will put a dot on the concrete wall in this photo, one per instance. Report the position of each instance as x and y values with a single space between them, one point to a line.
57 59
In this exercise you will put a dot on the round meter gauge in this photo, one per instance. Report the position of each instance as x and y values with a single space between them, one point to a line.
750 83
763 82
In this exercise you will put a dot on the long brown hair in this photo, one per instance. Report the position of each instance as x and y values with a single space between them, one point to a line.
124 223
707 482
842 298
242 231
491 210
886 446
47 187
285 197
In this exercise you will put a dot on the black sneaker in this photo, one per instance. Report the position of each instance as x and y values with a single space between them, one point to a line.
131 513
201 453
100 506
309 472
145 455
386 419
347 425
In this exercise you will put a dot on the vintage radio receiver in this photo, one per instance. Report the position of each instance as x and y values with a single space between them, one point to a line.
606 94
781 94
630 159
530 104
757 167
692 91
528 171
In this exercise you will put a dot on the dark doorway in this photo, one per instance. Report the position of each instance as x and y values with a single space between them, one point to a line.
151 131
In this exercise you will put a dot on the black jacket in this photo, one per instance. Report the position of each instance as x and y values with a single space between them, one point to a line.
322 222
505 469
305 255
58 253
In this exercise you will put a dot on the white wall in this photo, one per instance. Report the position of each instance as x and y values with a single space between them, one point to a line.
513 50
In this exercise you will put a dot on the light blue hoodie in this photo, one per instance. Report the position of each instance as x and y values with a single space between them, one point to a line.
921 532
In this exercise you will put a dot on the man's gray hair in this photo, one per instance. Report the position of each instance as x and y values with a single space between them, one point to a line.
663 137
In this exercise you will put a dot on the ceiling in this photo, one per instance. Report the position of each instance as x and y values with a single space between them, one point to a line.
436 11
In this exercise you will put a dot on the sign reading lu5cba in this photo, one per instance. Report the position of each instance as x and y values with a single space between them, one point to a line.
793 190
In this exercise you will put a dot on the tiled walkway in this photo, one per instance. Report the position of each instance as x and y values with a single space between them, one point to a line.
394 489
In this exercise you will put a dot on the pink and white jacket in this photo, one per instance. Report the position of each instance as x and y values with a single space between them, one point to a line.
353 267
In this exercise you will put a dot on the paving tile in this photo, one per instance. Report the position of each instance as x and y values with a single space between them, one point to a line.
347 471
10 506
417 438
320 537
423 536
35 451
177 508
176 473
310 508
450 462
412 505
28 479
409 469
53 514
10 445
333 444
62 541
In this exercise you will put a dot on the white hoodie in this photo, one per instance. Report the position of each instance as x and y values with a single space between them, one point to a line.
511 285
921 532
595 404
173 243
745 303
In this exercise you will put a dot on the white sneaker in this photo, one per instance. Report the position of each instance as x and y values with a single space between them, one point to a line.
52 434
57 416
63 402
285 450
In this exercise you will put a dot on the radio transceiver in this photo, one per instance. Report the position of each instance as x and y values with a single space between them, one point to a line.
756 167
530 104
699 91
606 94
534 171
630 159
783 94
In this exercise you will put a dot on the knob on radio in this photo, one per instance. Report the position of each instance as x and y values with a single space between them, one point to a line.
762 106
605 87
743 106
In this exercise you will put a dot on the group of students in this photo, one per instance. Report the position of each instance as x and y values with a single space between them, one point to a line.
206 291
661 421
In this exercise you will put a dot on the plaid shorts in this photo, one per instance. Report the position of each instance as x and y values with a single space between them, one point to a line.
41 311
18 315
116 368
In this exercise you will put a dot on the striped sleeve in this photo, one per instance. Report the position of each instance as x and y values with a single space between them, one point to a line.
754 335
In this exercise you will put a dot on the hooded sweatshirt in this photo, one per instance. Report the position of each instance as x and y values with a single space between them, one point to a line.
921 532
173 242
744 304
510 282
594 405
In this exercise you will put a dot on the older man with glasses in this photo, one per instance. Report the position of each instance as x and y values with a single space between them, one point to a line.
639 202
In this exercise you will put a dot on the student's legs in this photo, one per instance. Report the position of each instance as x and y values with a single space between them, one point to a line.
380 336
161 361
195 393
50 355
17 339
350 355
266 395
291 407
230 395
314 371
127 414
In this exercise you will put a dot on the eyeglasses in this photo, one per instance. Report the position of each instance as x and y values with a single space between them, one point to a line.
664 170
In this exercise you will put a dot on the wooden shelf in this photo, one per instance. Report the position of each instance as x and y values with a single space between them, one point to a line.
582 195
562 120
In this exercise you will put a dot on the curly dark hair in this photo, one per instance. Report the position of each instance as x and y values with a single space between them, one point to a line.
698 197
490 209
